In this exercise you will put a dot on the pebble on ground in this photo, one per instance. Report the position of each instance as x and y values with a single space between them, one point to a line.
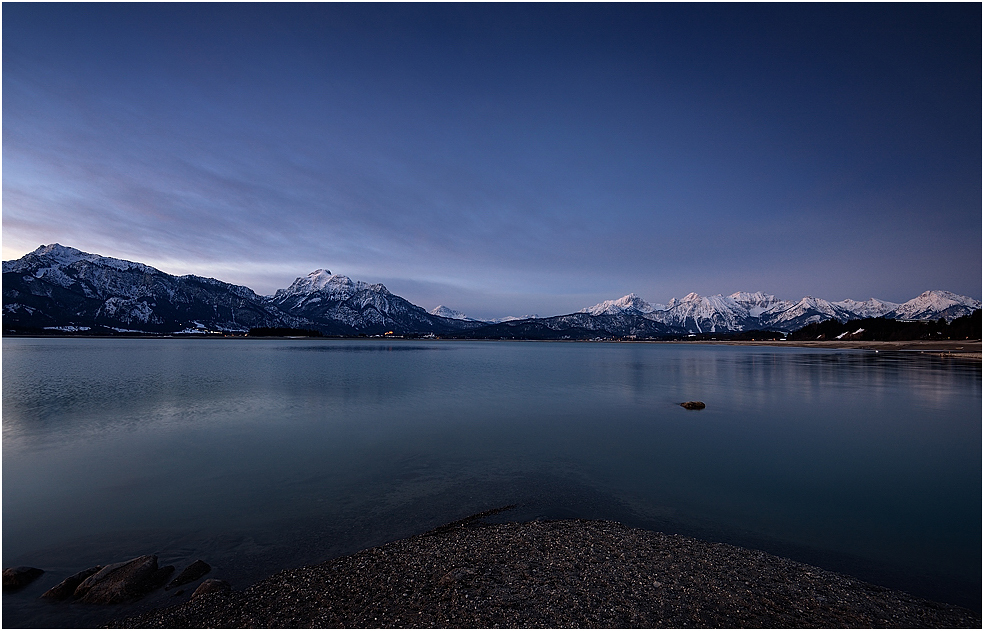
555 574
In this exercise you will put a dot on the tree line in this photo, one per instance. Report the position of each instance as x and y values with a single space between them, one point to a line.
886 330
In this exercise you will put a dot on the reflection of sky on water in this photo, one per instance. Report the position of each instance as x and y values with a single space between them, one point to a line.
838 455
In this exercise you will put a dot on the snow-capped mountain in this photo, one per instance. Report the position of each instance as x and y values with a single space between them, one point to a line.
626 304
50 259
575 326
757 303
695 313
64 288
807 311
531 316
320 287
323 282
935 304
870 308
705 314
451 314
58 286
337 302
743 311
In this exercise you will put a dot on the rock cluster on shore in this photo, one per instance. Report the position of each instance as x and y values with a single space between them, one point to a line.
570 573
15 578
119 582
112 584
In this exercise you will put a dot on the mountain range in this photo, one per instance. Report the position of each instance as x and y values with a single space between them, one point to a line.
742 311
58 287
62 288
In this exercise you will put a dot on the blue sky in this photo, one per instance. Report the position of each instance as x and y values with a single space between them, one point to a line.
504 159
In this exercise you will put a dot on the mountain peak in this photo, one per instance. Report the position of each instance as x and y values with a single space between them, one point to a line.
870 308
447 312
319 278
935 303
57 256
629 303
60 253
941 295
756 298
758 302
331 286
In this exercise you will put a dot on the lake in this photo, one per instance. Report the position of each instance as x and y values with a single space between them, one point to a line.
256 455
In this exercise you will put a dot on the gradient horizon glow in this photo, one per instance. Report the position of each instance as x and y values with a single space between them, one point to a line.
504 159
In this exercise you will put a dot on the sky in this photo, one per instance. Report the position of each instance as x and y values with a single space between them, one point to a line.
504 159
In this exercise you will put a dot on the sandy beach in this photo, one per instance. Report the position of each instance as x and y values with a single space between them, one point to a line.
555 574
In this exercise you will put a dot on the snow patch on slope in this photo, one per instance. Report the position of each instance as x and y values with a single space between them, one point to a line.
626 304
870 308
452 314
56 256
934 304
336 286
704 313
513 318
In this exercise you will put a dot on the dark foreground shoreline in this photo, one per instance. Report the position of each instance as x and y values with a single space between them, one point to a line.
569 573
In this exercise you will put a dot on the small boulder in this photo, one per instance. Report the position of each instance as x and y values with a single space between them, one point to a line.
15 578
191 573
122 582
66 588
693 405
211 586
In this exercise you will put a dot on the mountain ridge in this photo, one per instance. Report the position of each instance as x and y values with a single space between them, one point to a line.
742 311
59 287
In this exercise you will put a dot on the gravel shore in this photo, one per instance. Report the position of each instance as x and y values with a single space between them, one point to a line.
569 573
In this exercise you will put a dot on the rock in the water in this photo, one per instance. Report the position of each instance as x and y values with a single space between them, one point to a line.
694 405
210 586
17 577
66 588
121 582
191 573
160 577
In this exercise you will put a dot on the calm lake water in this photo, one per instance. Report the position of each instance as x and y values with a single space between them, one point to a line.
261 454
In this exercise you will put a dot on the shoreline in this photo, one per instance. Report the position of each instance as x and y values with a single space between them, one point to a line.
553 574
970 349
